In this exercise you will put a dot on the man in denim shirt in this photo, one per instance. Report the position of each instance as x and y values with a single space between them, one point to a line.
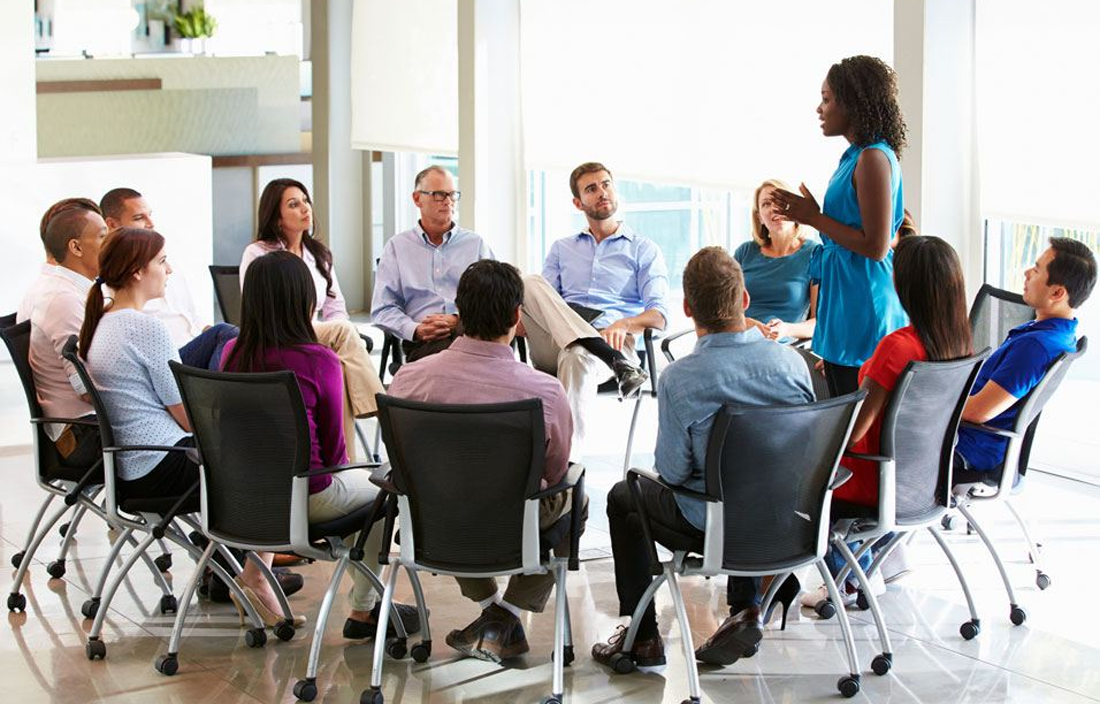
732 363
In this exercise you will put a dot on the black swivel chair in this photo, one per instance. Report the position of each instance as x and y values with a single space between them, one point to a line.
467 482
155 518
770 475
252 433
916 449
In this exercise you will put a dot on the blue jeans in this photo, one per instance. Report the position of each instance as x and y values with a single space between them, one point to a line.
205 351
835 562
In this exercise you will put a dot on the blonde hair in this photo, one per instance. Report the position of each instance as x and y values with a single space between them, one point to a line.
760 233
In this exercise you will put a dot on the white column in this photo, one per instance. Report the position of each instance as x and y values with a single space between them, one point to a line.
490 139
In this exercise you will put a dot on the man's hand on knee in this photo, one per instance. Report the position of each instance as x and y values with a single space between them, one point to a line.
615 334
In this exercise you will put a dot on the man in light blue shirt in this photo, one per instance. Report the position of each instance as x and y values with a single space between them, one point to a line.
732 363
414 291
607 267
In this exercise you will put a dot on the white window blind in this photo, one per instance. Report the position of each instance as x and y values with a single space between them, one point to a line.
1038 98
404 75
705 92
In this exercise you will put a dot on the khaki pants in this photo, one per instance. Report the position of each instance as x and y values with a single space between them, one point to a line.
552 329
350 490
361 380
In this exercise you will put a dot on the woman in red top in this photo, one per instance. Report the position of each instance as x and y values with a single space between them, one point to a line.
929 281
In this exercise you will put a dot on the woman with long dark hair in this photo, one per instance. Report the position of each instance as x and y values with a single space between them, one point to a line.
863 208
929 282
285 218
277 305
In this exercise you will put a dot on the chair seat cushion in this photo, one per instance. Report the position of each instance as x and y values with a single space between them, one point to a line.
342 526
59 472
159 505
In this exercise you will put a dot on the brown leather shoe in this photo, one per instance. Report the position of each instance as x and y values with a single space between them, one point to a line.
646 653
737 637
496 635
283 559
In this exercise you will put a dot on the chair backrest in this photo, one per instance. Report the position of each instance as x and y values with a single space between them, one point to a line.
17 338
919 427
466 471
994 313
772 466
6 321
227 289
253 436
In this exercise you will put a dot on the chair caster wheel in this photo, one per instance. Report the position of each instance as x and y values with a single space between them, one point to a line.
948 522
552 699
848 686
882 664
17 602
691 700
372 696
17 559
970 629
862 601
396 648
198 539
163 562
255 637
1042 580
89 608
167 664
825 609
284 631
1017 615
63 529
168 604
305 690
422 651
95 649
56 569
622 664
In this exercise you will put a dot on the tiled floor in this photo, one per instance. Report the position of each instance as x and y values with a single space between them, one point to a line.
1052 658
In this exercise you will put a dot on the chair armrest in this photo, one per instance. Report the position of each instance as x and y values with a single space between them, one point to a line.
667 342
381 478
862 456
989 429
143 448
367 342
67 421
166 520
563 485
674 488
843 474
338 468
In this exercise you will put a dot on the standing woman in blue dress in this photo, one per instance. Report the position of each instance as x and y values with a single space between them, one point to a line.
857 305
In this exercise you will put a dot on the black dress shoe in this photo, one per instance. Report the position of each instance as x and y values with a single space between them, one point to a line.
735 638
410 618
496 635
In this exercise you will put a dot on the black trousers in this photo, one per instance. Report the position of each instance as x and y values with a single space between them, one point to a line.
841 379
83 446
173 476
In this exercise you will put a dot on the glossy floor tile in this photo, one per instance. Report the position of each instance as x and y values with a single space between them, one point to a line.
1051 658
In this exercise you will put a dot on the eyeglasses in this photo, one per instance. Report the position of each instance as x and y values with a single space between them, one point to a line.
440 196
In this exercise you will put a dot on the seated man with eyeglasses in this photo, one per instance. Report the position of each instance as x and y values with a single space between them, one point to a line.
414 292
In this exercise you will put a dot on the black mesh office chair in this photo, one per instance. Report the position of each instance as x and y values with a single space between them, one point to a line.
467 482
770 474
981 487
995 312
227 289
916 447
77 486
155 518
253 435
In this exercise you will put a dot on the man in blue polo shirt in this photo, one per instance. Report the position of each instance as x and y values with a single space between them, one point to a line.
1060 281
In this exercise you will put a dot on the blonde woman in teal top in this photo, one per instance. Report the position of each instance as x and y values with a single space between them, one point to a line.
776 265
857 304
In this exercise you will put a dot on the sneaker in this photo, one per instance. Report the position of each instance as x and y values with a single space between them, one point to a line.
496 635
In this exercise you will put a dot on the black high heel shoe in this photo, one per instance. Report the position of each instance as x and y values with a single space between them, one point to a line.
785 595
629 378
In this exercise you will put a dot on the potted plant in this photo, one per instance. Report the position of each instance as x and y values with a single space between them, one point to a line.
194 27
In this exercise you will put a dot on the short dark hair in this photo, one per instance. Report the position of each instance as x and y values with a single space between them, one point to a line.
424 174
588 167
64 227
60 207
488 294
112 202
714 288
1073 266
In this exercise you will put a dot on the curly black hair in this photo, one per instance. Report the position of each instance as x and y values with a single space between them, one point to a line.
868 90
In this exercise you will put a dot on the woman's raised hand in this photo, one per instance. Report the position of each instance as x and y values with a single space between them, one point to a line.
801 209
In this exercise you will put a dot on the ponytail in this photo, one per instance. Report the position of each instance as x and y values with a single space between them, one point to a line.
93 313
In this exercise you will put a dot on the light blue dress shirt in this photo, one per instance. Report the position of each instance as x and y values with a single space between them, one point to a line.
624 275
856 303
741 368
416 279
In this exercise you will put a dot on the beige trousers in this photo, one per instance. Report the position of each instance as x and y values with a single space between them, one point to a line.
552 329
361 380
348 491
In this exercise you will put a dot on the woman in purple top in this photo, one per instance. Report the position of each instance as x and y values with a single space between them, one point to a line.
277 304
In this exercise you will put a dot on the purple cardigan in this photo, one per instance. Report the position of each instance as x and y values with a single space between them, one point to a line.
321 380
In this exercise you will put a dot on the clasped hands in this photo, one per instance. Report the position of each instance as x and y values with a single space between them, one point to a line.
435 326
